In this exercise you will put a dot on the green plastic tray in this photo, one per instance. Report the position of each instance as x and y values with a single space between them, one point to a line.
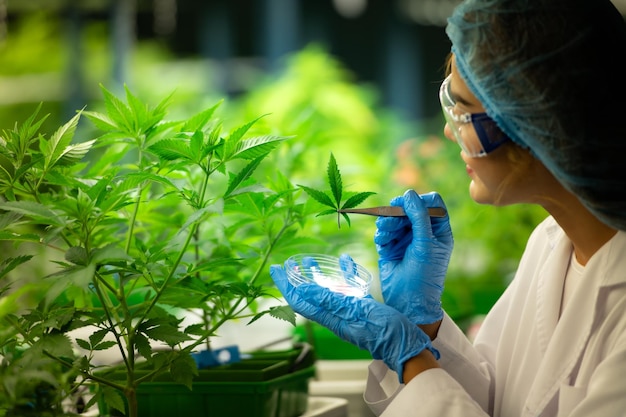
285 396
257 387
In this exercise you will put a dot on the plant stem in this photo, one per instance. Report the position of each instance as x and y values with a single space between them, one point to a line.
107 311
232 311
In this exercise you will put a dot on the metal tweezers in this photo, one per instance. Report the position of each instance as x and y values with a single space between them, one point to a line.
392 211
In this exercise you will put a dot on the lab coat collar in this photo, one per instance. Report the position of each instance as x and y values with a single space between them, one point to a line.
607 260
563 340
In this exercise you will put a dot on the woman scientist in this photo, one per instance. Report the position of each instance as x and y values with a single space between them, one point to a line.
538 110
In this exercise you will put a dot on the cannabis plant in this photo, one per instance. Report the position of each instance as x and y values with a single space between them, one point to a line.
127 233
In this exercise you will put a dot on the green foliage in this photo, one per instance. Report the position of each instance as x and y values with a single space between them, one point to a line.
34 385
334 197
316 100
151 219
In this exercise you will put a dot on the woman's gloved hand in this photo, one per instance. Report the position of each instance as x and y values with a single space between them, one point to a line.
413 256
383 331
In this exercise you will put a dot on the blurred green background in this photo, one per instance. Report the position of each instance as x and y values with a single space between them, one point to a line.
357 78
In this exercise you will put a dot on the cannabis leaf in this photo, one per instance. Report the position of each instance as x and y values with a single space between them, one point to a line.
333 197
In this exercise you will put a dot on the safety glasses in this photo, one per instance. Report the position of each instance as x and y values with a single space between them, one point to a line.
476 133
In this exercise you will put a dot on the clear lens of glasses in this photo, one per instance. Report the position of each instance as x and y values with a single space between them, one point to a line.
476 133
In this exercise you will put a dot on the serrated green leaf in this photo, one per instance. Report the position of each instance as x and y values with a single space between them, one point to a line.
7 170
117 111
183 369
101 121
167 333
160 110
15 237
200 120
334 180
83 344
195 329
28 130
138 110
74 153
285 313
231 144
79 276
100 190
22 137
319 196
336 187
26 167
8 264
242 175
256 147
196 143
57 344
356 199
326 212
92 402
59 142
34 210
113 398
172 149
214 141
199 215
97 336
142 343
105 345
8 219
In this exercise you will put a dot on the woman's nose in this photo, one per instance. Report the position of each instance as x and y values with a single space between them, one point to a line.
447 132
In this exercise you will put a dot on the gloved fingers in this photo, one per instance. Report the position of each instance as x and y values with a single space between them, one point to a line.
392 224
309 267
397 201
416 210
305 294
440 225
347 265
292 295
393 248
392 236
433 199
279 276
365 322
337 305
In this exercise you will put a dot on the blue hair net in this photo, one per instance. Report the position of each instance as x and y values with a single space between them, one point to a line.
545 72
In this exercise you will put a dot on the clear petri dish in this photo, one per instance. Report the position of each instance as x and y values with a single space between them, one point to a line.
339 274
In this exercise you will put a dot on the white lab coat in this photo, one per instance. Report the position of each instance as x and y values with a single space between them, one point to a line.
526 361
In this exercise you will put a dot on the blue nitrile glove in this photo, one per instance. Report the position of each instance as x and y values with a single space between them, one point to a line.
381 330
413 256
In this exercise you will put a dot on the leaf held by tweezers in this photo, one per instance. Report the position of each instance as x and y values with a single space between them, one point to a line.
334 196
356 199
334 179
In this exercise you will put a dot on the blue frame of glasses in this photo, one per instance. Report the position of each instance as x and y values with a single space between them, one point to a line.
489 134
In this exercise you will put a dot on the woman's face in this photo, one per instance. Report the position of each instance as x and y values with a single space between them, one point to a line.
507 175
